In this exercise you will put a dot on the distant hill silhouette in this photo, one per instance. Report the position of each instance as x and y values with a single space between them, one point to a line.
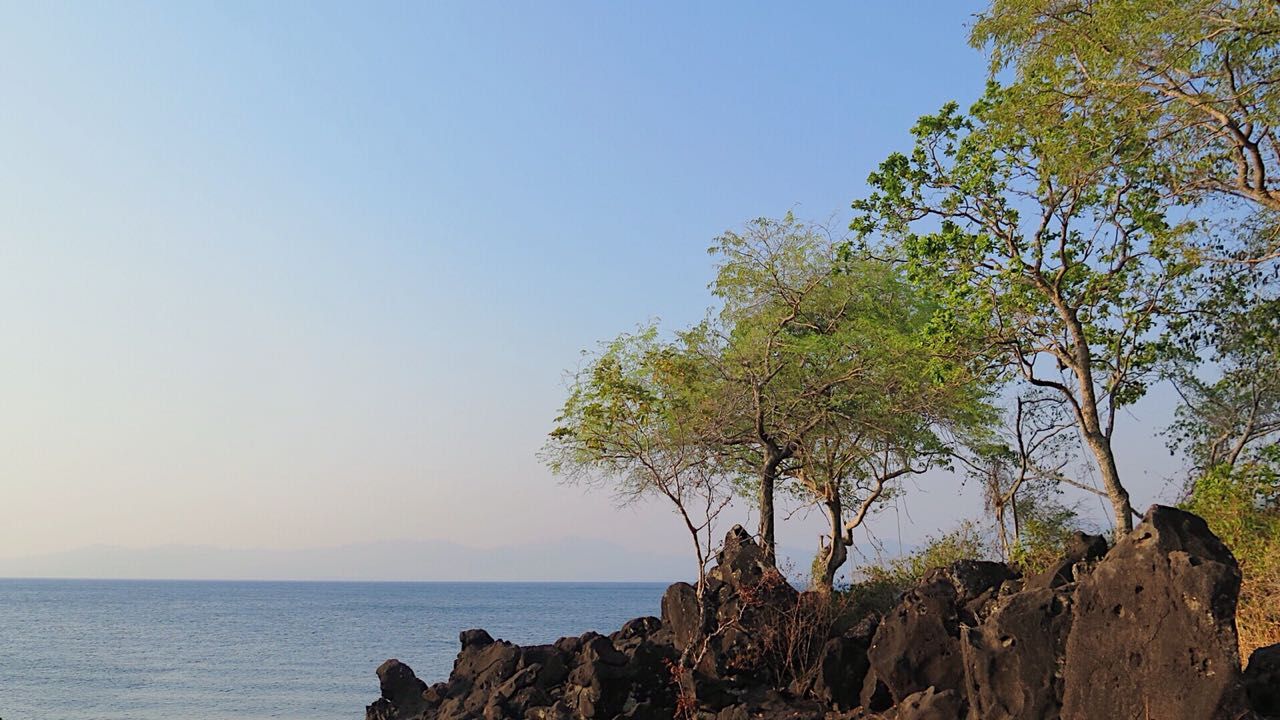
567 559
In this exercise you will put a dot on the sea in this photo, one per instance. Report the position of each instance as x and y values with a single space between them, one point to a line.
152 650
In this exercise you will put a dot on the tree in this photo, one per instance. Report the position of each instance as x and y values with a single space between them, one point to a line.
628 424
1020 470
1196 80
1227 428
770 281
1233 419
1062 275
897 417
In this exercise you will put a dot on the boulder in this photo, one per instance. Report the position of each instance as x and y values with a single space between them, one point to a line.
483 668
680 614
741 562
1081 548
1153 634
401 693
840 672
976 582
917 645
640 627
1262 680
1012 661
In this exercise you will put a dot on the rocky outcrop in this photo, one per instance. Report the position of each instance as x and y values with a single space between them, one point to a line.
1153 630
1145 630
1262 680
1012 660
929 704
917 645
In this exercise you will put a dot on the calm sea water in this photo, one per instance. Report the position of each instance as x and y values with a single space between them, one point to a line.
141 650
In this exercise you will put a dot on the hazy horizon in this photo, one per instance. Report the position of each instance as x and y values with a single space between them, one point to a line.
295 275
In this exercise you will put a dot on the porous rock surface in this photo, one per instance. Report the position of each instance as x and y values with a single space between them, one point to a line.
1145 630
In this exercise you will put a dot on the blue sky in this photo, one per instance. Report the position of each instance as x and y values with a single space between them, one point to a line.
299 274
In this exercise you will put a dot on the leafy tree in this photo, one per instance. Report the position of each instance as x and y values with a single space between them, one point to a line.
771 283
1063 276
1228 426
628 424
1198 81
899 415
819 374
1234 418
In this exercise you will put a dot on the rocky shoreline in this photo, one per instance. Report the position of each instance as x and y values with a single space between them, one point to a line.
1143 630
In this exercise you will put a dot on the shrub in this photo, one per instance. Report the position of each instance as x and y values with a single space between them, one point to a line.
1045 526
878 586
1242 507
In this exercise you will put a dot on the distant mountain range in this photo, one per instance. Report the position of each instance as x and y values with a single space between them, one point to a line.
570 559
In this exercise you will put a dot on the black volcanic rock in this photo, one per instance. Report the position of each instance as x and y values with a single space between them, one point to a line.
1153 633
929 704
401 692
1081 548
917 645
1262 680
1012 660
1146 631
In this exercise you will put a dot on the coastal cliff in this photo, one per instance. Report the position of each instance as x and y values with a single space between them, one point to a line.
1145 629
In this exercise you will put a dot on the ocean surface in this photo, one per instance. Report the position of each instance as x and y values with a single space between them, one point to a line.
146 650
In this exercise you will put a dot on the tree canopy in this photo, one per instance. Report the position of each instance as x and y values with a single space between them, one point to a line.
1060 275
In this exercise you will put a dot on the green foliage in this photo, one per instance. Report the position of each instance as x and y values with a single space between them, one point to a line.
878 587
627 416
1235 417
821 366
1045 526
632 423
1242 507
1058 275
1195 81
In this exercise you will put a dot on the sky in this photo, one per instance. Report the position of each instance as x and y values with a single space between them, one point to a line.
295 275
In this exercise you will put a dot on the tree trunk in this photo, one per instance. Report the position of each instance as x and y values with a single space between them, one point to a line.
836 551
1099 440
1106 459
773 458
768 477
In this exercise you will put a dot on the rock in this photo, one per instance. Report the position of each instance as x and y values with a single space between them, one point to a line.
552 663
917 645
680 613
741 562
597 684
381 709
481 668
1153 634
1012 660
474 638
841 669
638 628
1080 548
975 581
1262 680
1145 632
401 693
929 704
556 711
